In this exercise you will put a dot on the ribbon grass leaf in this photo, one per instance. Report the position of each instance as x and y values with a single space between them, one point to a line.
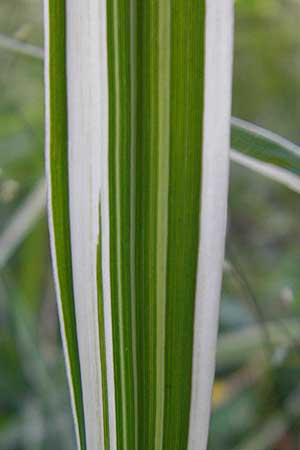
138 121
265 152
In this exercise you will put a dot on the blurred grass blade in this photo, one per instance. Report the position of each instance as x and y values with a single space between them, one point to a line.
265 152
22 222
23 48
275 426
138 122
237 346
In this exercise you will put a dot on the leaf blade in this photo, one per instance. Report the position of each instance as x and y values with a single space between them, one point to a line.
265 152
58 201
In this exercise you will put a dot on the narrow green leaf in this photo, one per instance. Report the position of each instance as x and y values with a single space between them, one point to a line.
103 355
266 153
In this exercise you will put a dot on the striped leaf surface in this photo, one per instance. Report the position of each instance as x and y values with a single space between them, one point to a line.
138 121
266 153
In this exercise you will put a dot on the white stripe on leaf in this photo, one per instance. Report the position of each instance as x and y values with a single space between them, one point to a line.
215 160
87 128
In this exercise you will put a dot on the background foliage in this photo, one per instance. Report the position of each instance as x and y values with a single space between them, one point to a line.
256 396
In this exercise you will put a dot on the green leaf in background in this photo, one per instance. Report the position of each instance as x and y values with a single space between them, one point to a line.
138 121
266 153
21 222
23 48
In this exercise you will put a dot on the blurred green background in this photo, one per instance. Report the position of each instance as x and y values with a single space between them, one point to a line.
256 401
